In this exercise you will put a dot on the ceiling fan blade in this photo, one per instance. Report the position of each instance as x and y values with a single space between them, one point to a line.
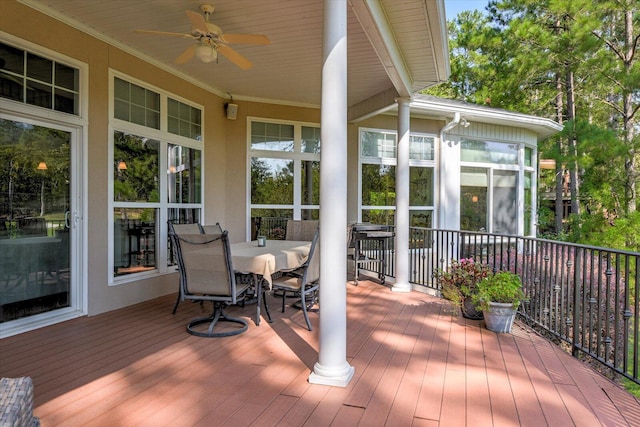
245 38
197 21
164 33
186 55
235 57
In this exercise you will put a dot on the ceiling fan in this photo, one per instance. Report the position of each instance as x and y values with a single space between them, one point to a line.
210 40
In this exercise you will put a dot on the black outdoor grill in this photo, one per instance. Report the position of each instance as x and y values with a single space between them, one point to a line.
369 243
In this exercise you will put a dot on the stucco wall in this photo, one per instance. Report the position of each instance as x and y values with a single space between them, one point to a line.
28 24
225 158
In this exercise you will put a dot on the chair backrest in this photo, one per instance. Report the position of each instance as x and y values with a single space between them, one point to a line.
212 229
205 265
301 229
312 264
185 228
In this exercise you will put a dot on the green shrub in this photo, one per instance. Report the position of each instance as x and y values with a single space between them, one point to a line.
503 287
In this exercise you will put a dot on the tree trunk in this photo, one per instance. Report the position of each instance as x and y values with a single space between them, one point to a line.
574 185
559 202
628 113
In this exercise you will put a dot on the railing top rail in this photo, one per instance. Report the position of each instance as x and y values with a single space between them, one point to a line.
535 239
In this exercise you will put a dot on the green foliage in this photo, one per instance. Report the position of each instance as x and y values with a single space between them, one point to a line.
503 287
460 279
520 55
602 228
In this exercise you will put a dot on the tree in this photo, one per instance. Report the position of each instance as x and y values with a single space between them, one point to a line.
573 61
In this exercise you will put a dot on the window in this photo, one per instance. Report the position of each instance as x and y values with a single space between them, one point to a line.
378 177
135 104
184 120
157 174
36 80
489 152
284 168
489 186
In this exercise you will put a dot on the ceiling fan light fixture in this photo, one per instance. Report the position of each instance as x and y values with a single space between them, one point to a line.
206 53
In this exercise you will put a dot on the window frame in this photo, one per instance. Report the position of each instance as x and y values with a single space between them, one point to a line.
163 206
392 161
520 168
297 156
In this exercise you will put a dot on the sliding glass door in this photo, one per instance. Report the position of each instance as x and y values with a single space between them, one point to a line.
35 222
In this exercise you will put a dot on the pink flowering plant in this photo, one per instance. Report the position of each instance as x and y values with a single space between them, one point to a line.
461 278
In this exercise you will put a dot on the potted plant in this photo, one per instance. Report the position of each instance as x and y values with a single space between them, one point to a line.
498 296
459 282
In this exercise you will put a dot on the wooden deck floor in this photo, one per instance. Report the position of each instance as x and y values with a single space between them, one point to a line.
415 365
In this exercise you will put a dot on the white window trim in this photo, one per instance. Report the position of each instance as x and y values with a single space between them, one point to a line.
296 155
393 162
78 126
165 138
520 168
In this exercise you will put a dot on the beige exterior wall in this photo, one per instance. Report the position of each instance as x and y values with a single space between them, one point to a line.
224 158
28 24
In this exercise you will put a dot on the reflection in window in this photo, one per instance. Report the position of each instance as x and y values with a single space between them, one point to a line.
378 144
136 104
285 175
378 172
136 168
180 216
504 202
378 189
272 136
270 222
528 156
184 174
35 242
310 183
421 147
473 199
420 186
32 79
379 216
134 240
310 140
489 152
420 218
271 181
378 185
184 120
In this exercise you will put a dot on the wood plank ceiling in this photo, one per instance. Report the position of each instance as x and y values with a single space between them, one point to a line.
289 69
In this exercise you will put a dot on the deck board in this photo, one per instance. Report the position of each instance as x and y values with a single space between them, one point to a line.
415 364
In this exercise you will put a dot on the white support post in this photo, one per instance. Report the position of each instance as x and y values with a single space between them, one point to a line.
332 367
402 198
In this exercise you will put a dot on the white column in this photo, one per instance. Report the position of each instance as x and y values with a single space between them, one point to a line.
332 367
402 198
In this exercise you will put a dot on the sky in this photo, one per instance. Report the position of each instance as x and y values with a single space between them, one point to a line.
453 7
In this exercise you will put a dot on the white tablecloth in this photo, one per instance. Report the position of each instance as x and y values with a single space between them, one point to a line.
277 255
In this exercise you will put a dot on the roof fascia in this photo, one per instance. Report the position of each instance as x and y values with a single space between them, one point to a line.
378 30
437 19
542 126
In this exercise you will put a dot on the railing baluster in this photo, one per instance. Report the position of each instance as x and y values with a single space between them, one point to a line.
583 295
586 296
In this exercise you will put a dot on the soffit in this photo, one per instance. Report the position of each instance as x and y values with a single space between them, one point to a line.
287 71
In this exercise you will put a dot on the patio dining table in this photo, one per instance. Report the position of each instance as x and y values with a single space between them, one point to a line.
277 255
